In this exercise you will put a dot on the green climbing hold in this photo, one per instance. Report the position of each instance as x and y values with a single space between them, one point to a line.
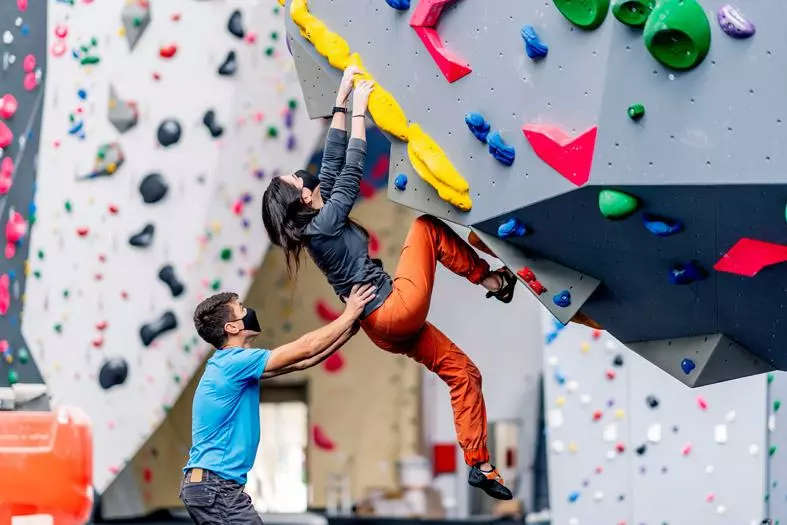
616 204
636 111
13 377
90 60
292 103
776 405
770 377
772 450
273 132
269 51
215 285
166 408
785 212
37 274
23 355
677 33
68 207
276 10
587 14
633 13
58 328
274 35
226 254
176 379
41 255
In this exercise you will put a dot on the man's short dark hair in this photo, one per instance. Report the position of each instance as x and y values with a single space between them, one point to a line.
211 315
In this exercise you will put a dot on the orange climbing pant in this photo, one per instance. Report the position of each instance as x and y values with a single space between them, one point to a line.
399 325
46 466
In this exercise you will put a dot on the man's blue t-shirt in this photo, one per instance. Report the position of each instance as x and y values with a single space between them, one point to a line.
225 428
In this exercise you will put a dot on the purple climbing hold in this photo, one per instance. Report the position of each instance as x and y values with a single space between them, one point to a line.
733 23
291 143
687 365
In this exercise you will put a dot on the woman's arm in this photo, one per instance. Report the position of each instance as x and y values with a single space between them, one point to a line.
336 141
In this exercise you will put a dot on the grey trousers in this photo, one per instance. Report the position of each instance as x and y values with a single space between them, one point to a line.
212 500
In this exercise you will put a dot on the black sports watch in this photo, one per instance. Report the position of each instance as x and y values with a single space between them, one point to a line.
338 109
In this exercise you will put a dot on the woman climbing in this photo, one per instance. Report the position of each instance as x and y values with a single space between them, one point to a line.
303 211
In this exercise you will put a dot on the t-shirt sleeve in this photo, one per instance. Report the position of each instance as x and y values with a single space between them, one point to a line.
251 364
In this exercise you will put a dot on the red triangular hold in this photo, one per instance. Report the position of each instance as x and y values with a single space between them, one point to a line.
428 12
453 67
749 256
572 158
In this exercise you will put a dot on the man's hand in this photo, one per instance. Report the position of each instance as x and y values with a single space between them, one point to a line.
346 85
359 297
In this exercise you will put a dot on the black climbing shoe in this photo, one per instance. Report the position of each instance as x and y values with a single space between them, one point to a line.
506 292
490 482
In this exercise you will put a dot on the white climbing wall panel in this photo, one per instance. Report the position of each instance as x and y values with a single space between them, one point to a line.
91 291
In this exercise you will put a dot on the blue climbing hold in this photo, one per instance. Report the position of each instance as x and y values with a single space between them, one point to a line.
687 273
534 47
559 377
400 182
399 5
478 125
82 94
512 228
687 365
563 299
574 496
661 226
504 153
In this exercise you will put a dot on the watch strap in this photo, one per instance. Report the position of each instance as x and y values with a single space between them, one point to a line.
338 109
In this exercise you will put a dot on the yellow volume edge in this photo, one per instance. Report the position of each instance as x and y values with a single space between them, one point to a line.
427 157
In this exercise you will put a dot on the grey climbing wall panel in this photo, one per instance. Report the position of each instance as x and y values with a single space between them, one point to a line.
688 159
319 82
25 125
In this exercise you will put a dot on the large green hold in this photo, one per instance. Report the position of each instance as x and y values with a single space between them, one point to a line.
616 204
633 13
587 14
677 33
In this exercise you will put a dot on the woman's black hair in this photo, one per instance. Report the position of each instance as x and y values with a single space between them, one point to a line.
285 216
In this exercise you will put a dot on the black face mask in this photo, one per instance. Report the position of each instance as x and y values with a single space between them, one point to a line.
250 321
309 181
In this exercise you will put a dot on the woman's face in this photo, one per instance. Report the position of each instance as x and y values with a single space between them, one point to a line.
293 180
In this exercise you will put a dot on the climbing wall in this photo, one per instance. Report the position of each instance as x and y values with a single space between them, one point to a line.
163 123
623 438
601 148
775 494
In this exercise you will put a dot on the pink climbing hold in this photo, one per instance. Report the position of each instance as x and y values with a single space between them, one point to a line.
334 363
6 175
749 256
702 403
571 157
15 230
325 312
423 21
29 63
686 449
6 136
321 439
58 48
21 5
5 294
61 31
30 82
8 106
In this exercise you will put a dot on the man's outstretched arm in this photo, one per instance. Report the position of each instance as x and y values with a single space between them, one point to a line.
317 359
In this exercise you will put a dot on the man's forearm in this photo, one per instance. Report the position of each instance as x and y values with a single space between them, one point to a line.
315 360
321 339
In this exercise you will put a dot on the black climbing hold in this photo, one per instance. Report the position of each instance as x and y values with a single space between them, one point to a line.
167 275
230 65
149 332
640 450
144 238
210 122
153 188
168 132
235 24
113 373
618 361
652 401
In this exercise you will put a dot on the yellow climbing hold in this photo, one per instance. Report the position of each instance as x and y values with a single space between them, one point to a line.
281 2
428 159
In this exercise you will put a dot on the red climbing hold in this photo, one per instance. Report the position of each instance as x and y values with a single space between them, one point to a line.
82 232
5 295
374 244
168 51
597 415
526 274
6 136
101 325
367 190
113 209
320 439
572 158
423 21
334 363
6 175
325 312
749 256
8 106
15 230
537 287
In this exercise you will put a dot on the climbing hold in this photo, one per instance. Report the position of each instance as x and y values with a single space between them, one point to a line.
677 33
686 449
168 132
235 24
702 403
226 254
563 299
652 401
687 365
8 106
399 5
749 256
334 363
570 157
640 450
424 22
617 361
149 332
153 188
230 65
210 122
136 18
13 377
15 231
633 13
772 450
400 182
122 114
144 238
113 373
615 204
512 228
109 158
777 405
325 312
168 277
534 47
636 112
5 293
6 175
572 497
537 287
6 135
23 355
168 51
501 151
661 226
321 439
477 125
733 22
687 273
588 14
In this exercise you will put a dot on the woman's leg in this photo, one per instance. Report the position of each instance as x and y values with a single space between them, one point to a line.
476 242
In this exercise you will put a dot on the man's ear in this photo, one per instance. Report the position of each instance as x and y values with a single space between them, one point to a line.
231 329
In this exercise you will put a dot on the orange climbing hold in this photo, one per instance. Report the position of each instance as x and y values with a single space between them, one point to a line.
423 21
47 460
749 256
571 157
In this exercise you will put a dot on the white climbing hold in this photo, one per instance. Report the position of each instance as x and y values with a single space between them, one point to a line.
552 361
555 418
754 450
598 496
584 399
611 455
721 509
8 37
772 422
720 434
610 345
709 469
573 521
654 433
572 386
610 433
558 447
730 417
